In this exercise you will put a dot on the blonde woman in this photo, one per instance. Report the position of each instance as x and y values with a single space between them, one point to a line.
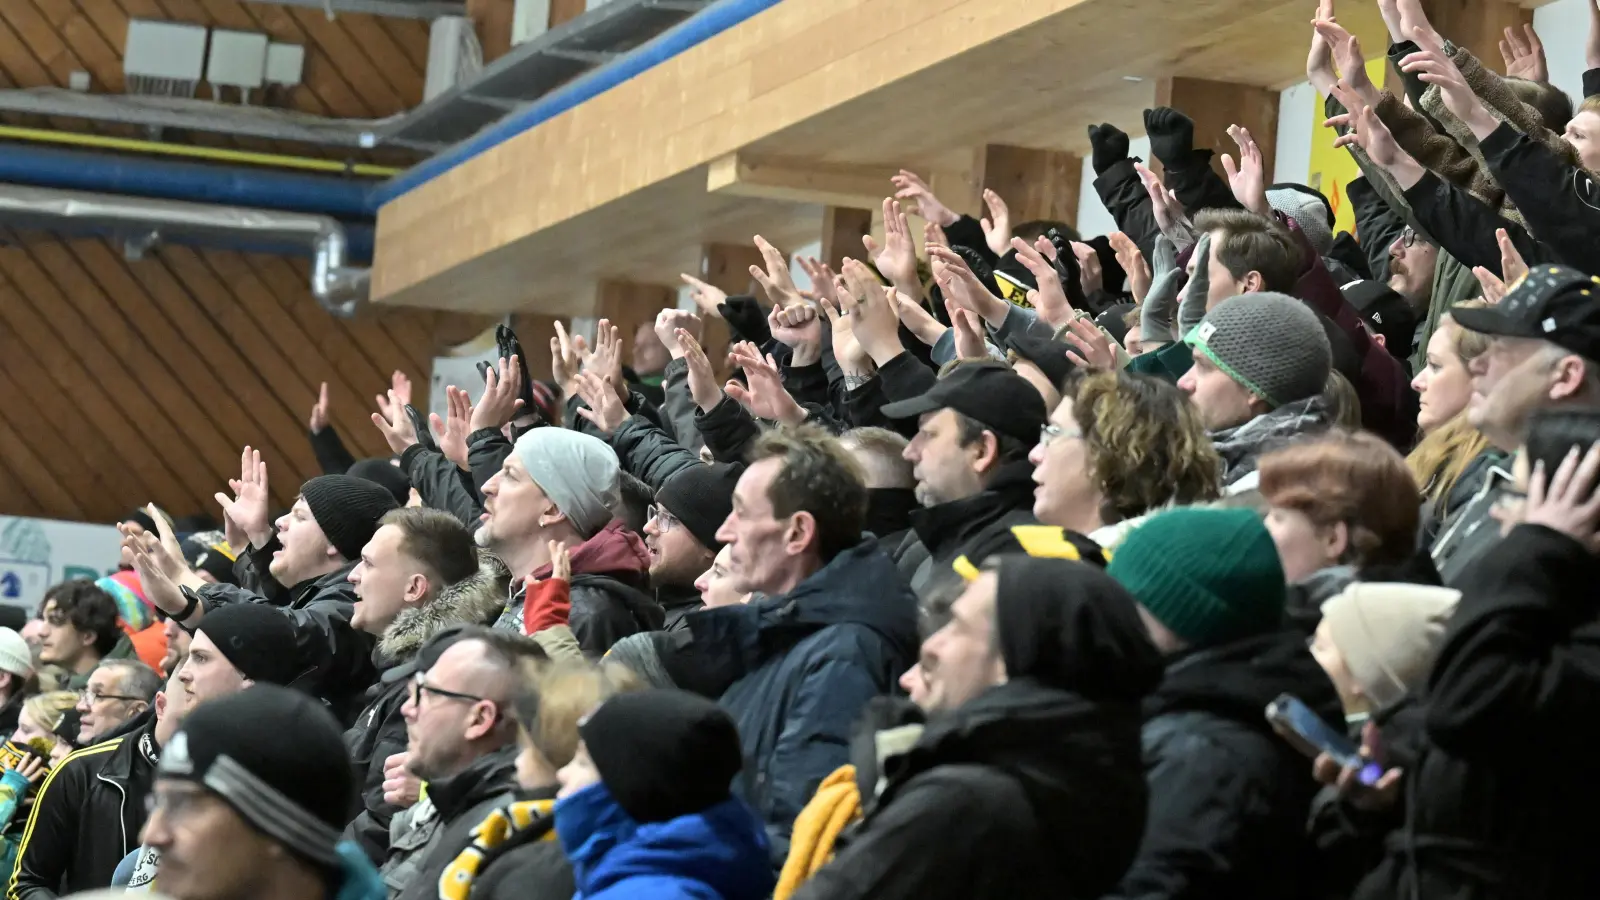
1449 462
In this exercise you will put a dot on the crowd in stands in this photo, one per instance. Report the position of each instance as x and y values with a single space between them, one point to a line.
1225 556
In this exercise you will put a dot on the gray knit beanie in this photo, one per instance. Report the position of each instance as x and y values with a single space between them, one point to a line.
579 473
1272 344
1309 211
638 654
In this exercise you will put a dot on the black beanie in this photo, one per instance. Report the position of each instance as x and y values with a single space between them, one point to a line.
347 509
663 753
259 640
701 497
1072 626
278 758
380 470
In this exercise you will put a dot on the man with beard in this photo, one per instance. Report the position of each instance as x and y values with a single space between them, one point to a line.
681 535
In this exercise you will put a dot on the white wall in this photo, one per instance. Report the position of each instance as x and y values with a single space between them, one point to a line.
1093 218
1295 131
1563 28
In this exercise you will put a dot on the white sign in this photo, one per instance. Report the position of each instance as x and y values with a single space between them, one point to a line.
38 553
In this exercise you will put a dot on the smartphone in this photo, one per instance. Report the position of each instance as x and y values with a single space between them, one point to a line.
1311 735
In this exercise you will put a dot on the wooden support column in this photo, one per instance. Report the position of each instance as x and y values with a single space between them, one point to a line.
726 266
1036 184
629 305
492 20
1478 25
842 230
1214 105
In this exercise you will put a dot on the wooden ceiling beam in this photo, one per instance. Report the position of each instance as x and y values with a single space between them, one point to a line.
741 174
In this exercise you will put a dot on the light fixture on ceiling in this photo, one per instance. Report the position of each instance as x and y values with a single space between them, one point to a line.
1133 78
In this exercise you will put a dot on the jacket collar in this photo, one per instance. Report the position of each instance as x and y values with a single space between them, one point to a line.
119 763
474 600
485 777
306 591
951 524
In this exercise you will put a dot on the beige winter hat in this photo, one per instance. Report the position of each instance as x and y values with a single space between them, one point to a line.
1388 634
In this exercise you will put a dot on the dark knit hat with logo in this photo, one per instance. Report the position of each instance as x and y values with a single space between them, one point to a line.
347 509
701 497
663 753
1271 344
277 757
257 639
1209 575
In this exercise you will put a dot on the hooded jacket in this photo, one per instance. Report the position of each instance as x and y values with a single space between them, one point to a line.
1242 446
1498 801
86 817
1229 798
976 527
412 866
1036 786
1473 530
610 600
800 667
719 853
380 730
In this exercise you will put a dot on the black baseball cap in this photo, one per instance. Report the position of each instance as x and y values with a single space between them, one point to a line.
1387 313
1551 303
988 392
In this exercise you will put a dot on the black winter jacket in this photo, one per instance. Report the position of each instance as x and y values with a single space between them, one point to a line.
1500 803
801 666
442 484
455 805
1027 791
1560 202
648 453
510 853
977 527
1229 798
86 817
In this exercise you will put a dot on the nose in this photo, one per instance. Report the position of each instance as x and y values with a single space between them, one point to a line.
82 706
1036 455
1398 248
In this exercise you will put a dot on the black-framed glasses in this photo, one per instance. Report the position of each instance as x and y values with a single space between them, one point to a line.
91 696
1408 237
420 686
664 519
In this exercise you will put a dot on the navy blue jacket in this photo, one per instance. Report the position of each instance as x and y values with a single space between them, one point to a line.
801 667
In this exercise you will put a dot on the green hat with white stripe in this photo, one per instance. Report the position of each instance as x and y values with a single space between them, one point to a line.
1272 344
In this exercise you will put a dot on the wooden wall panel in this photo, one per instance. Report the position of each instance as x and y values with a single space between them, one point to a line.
130 382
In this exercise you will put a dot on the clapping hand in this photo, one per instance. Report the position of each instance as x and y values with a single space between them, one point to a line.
247 508
451 432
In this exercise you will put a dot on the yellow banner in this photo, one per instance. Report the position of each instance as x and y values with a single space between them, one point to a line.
1332 169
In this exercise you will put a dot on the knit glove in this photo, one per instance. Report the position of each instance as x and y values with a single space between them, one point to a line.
1161 300
546 604
1193 308
1171 136
1110 145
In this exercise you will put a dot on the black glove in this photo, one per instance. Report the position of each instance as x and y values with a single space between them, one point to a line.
1171 135
1110 145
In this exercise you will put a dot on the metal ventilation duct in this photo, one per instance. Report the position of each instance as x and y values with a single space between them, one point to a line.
339 288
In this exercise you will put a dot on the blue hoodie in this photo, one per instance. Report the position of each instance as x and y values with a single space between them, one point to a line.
719 853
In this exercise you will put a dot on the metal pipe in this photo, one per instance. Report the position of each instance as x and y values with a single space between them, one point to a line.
340 288
399 9
220 154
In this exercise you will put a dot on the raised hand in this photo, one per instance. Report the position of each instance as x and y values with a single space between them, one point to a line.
1513 267
823 279
560 561
997 225
897 258
1494 290
1132 260
606 360
395 424
319 412
853 360
764 395
1247 177
800 329
1566 501
1050 299
1095 349
1432 65
1352 62
706 297
958 282
605 411
872 313
567 353
1319 62
145 554
247 508
499 403
1169 213
399 389
910 187
702 380
451 432
918 320
667 323
775 279
1368 132
1091 274
1524 55
970 343
933 236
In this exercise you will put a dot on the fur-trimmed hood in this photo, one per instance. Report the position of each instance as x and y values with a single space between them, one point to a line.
476 600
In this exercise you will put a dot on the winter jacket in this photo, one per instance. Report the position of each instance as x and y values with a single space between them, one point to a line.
801 666
719 853
1559 200
976 527
487 450
442 484
1439 510
1242 446
1499 803
14 788
510 853
335 657
677 603
412 867
678 407
332 456
1027 791
380 730
1470 533
610 577
1464 226
648 453
86 817
1228 797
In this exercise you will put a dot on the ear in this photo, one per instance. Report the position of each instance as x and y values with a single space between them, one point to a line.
551 517
1567 377
1336 540
333 552
801 535
482 720
1252 283
416 588
988 449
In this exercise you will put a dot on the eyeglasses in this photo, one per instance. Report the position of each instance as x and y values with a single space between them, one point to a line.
91 696
420 686
1049 434
664 519
1408 237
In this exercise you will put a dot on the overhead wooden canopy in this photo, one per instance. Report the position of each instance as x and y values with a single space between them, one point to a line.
811 100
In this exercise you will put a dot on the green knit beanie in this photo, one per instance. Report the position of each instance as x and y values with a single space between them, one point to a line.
1209 575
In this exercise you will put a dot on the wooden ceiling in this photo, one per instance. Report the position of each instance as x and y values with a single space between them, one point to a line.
616 188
